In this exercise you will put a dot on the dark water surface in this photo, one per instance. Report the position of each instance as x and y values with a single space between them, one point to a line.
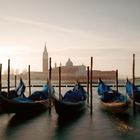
42 126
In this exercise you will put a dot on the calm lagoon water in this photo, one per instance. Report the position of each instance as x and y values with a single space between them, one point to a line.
101 125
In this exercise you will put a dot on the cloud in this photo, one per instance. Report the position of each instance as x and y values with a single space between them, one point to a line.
37 24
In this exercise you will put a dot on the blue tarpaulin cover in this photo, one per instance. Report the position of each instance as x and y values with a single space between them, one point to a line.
107 94
77 94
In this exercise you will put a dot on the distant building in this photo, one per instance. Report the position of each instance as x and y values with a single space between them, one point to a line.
45 60
69 63
44 74
40 75
72 73
69 72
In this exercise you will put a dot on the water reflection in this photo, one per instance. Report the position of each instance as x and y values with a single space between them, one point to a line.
19 119
19 124
65 126
42 126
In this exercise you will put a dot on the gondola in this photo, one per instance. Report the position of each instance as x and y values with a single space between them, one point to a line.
129 91
112 100
72 103
37 102
17 92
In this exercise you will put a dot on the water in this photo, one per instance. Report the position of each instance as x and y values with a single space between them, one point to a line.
101 125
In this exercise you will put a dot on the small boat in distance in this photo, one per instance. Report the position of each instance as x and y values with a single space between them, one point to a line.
72 103
38 101
112 100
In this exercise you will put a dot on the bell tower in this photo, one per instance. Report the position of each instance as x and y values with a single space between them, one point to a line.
45 60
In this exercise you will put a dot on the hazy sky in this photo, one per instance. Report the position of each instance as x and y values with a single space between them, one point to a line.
108 30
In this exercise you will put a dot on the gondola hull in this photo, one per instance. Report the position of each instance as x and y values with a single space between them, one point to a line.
12 106
137 104
68 109
112 100
115 107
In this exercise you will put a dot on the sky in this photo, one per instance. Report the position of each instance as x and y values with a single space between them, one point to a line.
107 30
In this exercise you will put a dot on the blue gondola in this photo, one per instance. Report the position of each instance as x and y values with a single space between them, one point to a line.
38 101
129 91
17 92
72 103
111 99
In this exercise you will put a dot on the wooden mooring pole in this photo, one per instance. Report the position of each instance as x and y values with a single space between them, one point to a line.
15 81
50 71
59 82
117 81
91 85
8 77
29 80
0 77
88 85
133 83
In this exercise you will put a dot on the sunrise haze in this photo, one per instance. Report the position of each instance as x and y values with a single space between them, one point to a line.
108 30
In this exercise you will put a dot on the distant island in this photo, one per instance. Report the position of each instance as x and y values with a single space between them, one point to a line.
69 72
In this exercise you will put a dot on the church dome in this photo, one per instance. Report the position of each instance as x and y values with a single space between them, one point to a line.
69 63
